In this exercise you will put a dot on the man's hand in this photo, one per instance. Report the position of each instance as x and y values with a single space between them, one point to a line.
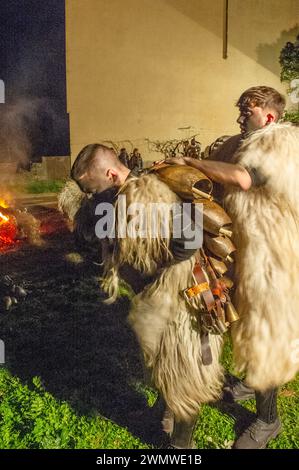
221 172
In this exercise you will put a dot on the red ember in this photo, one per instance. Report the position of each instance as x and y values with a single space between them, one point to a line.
8 229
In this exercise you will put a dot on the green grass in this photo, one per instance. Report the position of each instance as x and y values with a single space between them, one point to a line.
216 425
31 417
51 186
26 183
73 377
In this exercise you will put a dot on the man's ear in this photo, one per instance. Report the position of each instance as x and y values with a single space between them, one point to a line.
111 174
270 118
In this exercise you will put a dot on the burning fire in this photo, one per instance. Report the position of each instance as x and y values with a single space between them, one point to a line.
16 225
3 218
8 228
3 203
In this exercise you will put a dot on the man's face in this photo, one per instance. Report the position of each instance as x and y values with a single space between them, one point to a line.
98 178
95 182
104 172
252 118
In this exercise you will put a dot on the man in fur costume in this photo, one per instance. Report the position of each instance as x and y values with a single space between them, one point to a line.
174 344
261 196
258 107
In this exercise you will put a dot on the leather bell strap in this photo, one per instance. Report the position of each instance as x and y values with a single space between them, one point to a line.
203 287
206 352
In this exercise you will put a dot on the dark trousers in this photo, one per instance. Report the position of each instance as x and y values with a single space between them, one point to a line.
266 405
181 437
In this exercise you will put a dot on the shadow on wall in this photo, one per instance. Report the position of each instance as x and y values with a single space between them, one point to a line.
268 54
205 13
241 22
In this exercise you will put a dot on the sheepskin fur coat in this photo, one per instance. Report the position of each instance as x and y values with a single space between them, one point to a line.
165 325
266 231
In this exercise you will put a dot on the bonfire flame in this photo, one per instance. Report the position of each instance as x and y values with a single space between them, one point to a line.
3 218
4 203
8 227
17 225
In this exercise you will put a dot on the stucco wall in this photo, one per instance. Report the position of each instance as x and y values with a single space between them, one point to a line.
142 69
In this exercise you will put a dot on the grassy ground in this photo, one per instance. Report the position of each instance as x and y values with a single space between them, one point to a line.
50 186
29 184
73 376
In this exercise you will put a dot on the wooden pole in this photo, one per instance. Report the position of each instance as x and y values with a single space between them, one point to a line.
225 28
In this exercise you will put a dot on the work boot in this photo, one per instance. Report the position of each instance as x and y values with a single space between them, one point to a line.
258 434
181 437
267 424
236 390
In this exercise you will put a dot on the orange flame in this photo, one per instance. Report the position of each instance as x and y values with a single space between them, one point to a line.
8 232
3 218
3 203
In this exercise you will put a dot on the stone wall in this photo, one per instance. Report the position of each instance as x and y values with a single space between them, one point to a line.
52 168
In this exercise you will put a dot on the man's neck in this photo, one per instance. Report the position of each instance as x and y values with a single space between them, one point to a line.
123 176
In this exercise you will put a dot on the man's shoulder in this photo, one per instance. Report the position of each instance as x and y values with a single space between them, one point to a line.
223 148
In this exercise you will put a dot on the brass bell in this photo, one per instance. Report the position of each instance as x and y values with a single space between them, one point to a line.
218 265
222 247
228 283
231 314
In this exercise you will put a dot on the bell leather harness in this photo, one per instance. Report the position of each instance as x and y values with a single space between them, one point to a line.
213 294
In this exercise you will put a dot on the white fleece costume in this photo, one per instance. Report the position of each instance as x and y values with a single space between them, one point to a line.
266 233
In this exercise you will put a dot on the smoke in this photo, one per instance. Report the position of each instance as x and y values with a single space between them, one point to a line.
16 120
30 128
33 120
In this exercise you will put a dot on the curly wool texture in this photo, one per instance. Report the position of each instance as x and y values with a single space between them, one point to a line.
266 231
145 254
70 199
170 340
30 226
160 317
152 251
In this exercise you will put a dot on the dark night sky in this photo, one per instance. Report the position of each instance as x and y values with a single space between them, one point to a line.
32 65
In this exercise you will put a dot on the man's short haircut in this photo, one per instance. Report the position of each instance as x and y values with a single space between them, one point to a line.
263 96
85 159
